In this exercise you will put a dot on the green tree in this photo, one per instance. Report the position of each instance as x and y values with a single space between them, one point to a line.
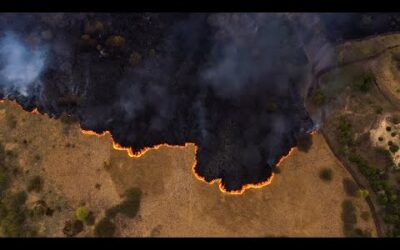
105 228
326 174
362 193
82 213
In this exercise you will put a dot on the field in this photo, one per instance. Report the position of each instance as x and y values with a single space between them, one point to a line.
82 170
362 123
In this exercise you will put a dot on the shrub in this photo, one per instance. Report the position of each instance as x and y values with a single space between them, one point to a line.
129 207
365 169
348 213
12 224
365 83
383 199
350 187
344 130
90 219
393 148
326 174
304 142
13 213
81 213
386 155
72 228
362 193
105 228
276 170
17 200
35 184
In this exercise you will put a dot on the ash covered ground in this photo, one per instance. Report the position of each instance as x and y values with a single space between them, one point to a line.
233 84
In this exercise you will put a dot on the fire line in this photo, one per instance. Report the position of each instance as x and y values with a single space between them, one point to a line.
133 154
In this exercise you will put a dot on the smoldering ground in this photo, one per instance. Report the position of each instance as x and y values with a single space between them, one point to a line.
233 84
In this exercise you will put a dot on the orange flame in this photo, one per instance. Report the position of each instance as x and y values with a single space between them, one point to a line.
130 152
35 111
285 156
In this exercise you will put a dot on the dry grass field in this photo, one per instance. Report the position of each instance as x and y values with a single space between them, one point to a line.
174 203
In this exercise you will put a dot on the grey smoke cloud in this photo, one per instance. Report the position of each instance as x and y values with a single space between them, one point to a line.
252 50
20 65
228 82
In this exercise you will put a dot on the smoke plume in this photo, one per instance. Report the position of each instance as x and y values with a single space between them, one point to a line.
232 83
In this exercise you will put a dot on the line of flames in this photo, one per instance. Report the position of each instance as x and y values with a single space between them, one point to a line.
245 187
222 188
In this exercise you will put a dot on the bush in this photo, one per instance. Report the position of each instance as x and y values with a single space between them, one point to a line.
304 142
13 215
90 219
350 187
386 155
344 131
349 216
362 193
72 228
276 170
105 228
393 148
129 207
365 169
326 174
81 213
365 83
383 199
17 200
12 224
35 184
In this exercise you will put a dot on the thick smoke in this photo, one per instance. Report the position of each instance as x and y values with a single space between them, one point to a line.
20 65
233 84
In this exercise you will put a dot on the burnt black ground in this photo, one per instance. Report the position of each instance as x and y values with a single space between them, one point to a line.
230 83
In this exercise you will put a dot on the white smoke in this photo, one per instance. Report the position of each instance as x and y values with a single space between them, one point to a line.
20 65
